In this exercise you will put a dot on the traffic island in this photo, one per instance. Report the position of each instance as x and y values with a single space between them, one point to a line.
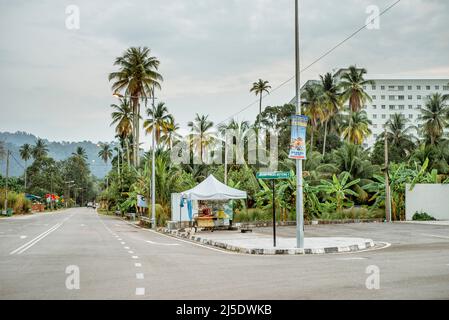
262 244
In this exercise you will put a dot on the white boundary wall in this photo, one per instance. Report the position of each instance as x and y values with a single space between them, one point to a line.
430 198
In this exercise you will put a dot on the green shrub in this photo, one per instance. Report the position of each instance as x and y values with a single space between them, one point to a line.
356 213
17 201
422 216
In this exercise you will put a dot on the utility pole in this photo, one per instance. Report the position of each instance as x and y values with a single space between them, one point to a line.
153 172
387 181
299 191
6 181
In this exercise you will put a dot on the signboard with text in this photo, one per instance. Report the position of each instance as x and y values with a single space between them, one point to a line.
298 137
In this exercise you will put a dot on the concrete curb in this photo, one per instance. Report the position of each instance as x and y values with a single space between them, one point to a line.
261 251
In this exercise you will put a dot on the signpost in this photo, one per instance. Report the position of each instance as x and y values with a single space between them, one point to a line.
273 176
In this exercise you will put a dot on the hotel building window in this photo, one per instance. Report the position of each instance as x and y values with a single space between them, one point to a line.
401 88
391 97
383 106
374 106
374 116
373 97
390 87
401 107
410 107
410 97
410 116
418 87
418 97
401 97
382 97
437 87
409 87
382 87
373 87
428 87
391 107
446 88
383 116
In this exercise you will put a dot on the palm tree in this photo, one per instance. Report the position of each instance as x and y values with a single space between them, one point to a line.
170 136
160 118
240 131
40 149
313 103
123 118
434 117
399 134
105 152
80 153
138 77
352 83
356 127
26 153
331 101
201 136
259 88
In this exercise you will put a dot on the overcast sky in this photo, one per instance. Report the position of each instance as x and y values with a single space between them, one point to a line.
54 80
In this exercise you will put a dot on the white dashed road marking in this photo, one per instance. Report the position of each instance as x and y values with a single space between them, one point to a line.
139 276
140 291
137 264
135 257
163 244
23 237
127 248
131 252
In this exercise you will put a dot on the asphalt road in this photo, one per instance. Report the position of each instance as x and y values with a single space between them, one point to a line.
118 261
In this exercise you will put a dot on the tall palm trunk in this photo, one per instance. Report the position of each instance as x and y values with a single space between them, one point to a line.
260 105
128 156
135 102
325 137
311 139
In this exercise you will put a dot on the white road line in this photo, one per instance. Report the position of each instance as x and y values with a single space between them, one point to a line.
354 258
119 239
140 291
131 252
135 257
23 237
123 242
163 244
32 242
139 276
434 236
137 264
127 248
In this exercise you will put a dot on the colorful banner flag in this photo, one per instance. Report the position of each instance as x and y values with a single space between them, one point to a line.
298 137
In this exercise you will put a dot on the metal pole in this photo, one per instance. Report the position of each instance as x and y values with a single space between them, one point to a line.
153 173
274 215
387 181
6 181
299 191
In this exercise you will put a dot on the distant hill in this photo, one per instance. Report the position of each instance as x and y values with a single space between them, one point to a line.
57 150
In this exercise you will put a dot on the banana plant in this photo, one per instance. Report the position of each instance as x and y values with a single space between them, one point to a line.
338 190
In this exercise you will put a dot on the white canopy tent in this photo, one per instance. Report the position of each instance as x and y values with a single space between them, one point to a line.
212 189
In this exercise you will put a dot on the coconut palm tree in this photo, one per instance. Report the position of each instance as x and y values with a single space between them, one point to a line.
170 136
80 153
399 134
160 118
259 88
312 101
332 101
138 77
105 152
355 127
201 135
435 117
26 153
122 117
40 149
352 83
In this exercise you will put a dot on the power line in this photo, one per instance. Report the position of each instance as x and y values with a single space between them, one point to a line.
316 60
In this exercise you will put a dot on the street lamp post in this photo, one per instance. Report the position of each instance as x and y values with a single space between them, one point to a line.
299 191
153 173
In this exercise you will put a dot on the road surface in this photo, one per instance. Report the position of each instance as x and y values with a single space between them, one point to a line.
115 260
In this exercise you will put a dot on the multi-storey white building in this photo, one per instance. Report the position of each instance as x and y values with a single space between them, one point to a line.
398 94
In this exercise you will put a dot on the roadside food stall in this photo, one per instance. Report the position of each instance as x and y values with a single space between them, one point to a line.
214 203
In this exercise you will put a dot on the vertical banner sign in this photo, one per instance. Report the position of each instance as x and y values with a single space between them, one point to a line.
298 137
